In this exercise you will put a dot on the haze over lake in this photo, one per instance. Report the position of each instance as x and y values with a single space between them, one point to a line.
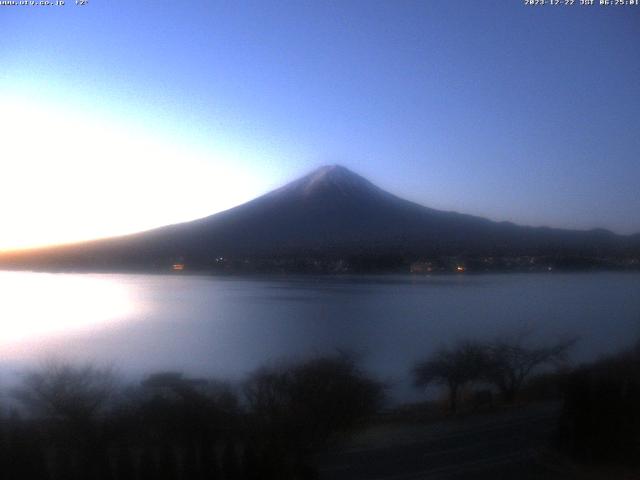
228 326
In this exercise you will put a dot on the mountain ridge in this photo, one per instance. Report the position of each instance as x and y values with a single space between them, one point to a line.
330 213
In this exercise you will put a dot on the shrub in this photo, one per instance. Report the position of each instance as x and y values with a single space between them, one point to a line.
600 420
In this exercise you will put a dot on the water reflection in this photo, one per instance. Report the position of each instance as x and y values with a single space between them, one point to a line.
39 305
226 327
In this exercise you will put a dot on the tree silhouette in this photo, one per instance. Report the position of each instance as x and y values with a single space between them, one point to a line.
80 423
297 410
60 391
451 367
312 401
505 362
508 363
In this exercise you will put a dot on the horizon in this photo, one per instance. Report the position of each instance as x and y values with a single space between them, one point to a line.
123 119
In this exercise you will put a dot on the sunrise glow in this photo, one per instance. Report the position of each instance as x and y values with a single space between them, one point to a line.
70 174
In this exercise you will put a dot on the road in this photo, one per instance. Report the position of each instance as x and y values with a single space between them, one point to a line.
493 446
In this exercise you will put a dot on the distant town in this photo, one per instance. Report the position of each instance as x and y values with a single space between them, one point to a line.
459 264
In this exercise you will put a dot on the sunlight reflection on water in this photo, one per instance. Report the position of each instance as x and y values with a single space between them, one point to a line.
226 327
38 305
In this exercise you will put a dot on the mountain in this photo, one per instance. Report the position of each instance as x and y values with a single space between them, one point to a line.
332 213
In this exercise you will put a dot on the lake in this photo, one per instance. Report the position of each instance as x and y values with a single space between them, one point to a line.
228 326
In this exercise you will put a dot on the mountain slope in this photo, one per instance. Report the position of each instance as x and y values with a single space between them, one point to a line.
331 212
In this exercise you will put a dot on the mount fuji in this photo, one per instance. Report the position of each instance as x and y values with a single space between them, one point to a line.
331 213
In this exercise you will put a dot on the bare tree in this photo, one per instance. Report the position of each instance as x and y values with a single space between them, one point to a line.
452 367
508 363
60 391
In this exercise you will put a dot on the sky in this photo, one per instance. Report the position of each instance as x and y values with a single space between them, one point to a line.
122 116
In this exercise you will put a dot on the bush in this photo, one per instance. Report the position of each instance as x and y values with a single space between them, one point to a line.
300 409
600 420
313 402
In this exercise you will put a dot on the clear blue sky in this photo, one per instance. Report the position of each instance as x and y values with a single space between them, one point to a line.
119 116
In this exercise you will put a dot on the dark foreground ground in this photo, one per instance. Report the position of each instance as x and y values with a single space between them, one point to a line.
510 444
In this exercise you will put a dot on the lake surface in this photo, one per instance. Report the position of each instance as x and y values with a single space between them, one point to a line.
228 326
